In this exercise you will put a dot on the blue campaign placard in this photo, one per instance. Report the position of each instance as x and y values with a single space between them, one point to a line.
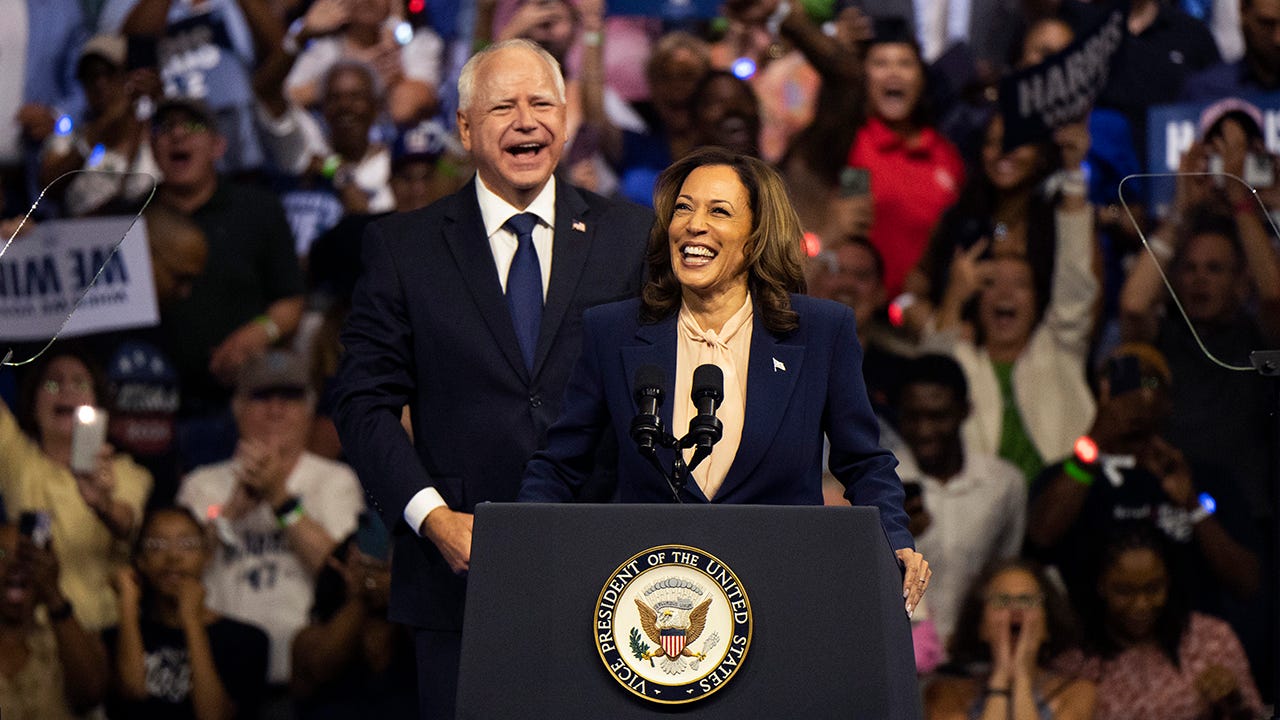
666 9
1172 128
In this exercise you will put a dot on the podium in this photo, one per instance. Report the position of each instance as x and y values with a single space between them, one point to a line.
828 636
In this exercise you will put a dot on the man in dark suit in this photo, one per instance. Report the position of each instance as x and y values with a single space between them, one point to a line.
443 322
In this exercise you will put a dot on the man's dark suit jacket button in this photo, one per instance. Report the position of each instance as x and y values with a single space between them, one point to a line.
535 401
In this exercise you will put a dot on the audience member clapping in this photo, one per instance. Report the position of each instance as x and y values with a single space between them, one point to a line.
274 509
90 510
1122 471
1013 625
173 657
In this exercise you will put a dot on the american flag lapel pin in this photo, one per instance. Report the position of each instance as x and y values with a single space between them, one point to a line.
579 226
778 366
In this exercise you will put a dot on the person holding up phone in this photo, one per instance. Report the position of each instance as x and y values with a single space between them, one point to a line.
90 509
1123 472
351 660
53 668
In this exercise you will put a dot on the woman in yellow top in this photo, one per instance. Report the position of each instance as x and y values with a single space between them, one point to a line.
93 515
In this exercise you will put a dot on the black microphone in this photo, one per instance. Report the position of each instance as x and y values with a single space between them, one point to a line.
646 428
705 428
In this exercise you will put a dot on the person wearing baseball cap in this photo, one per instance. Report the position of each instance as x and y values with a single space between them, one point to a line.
276 508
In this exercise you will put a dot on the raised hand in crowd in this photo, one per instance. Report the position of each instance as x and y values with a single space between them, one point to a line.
750 12
529 16
970 272
325 17
244 344
261 470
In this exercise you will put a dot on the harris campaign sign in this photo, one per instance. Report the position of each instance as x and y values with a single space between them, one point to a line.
1062 89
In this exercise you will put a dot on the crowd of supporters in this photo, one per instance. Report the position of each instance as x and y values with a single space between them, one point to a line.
1093 492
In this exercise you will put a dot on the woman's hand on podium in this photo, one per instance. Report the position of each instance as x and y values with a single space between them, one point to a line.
916 578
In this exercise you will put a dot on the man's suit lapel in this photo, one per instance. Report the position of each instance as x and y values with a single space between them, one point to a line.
466 238
573 234
656 345
772 373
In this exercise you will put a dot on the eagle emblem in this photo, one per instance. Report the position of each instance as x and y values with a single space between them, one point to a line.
673 622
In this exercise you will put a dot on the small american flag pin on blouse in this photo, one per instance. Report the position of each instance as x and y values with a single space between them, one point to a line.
778 366
579 226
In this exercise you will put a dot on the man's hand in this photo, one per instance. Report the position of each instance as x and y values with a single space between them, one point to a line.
245 343
916 579
451 532
262 468
1168 463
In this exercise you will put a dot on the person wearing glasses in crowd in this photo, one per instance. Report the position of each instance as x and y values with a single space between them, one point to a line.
251 293
89 512
173 657
1013 624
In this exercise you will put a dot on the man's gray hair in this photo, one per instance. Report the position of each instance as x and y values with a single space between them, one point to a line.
467 78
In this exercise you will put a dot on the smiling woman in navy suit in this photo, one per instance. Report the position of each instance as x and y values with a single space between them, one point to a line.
724 263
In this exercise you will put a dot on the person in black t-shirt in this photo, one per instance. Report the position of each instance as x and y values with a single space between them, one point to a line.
172 656
1125 472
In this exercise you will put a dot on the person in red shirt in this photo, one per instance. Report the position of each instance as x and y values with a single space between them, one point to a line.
916 173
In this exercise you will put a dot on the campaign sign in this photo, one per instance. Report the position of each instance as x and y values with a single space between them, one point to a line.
51 266
1170 131
1063 88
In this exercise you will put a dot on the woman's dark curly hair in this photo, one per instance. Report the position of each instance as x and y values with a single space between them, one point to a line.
968 650
775 258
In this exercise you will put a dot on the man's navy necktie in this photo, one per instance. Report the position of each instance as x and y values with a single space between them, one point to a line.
524 286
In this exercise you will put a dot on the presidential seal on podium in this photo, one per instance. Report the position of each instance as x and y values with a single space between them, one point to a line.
673 624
